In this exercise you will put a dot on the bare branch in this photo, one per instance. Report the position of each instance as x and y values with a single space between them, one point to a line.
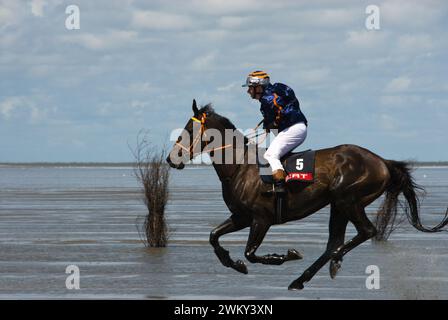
152 173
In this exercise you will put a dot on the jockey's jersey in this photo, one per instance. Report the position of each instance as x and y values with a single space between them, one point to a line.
280 106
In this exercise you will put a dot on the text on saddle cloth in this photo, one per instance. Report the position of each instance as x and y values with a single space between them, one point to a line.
299 166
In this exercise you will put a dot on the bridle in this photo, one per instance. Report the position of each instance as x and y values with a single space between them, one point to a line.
202 132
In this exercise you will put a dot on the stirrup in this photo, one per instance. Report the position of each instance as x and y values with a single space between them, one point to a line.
278 188
269 193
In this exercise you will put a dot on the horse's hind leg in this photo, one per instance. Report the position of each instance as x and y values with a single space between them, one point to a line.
365 229
234 223
257 233
337 227
337 236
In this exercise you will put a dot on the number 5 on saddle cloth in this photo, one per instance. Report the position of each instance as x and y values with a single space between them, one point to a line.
299 167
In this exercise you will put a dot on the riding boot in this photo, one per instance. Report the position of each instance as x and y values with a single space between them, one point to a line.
279 181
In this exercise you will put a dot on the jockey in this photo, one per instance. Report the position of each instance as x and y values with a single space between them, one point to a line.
281 110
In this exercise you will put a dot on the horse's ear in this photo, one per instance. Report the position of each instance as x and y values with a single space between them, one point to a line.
195 108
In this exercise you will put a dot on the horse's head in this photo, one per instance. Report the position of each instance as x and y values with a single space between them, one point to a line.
190 143
205 131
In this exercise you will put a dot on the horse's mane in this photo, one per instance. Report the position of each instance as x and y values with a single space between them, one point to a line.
210 111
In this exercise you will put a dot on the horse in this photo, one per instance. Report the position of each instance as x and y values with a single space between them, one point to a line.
347 177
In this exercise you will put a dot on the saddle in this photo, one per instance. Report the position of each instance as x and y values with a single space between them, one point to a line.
299 166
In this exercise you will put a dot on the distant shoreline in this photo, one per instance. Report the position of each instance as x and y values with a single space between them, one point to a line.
131 164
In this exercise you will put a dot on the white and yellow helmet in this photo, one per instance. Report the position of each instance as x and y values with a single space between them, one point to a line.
257 78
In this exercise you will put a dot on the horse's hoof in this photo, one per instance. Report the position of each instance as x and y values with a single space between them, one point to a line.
296 285
334 268
293 254
240 266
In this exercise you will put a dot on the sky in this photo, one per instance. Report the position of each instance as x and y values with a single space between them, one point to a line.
84 94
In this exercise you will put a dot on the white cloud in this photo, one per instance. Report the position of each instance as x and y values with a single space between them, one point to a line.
398 84
312 76
161 20
366 39
119 67
411 14
137 104
387 122
415 42
141 87
203 63
223 7
228 87
37 7
327 18
231 22
112 39
8 105
23 106
402 101
10 13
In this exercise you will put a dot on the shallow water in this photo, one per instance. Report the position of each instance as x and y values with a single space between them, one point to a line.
51 218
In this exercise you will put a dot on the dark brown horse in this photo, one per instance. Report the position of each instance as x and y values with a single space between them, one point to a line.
347 177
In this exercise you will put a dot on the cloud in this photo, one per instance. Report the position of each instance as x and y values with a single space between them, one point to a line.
387 122
411 14
10 13
136 61
410 43
161 20
37 7
219 7
141 87
111 39
312 76
229 87
8 105
398 84
232 22
21 106
366 39
327 18
204 62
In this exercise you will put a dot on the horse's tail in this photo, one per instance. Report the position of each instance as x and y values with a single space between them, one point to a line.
401 181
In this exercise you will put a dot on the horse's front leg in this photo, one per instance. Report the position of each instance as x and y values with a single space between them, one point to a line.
257 232
234 223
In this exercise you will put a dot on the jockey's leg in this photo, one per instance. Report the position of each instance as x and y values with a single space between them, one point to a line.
284 142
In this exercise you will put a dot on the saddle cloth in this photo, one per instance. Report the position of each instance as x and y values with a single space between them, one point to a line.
299 166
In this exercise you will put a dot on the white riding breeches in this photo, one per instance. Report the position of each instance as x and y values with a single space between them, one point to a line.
284 142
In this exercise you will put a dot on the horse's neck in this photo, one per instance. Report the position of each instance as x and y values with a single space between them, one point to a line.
241 159
227 168
225 171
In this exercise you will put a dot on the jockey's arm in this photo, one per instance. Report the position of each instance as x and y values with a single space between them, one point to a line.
272 109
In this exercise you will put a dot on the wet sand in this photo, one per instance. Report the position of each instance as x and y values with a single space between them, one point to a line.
51 218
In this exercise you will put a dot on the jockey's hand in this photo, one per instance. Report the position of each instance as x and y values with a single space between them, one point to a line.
269 126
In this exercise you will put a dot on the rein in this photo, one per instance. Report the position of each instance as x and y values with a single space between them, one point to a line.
202 131
198 138
254 134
